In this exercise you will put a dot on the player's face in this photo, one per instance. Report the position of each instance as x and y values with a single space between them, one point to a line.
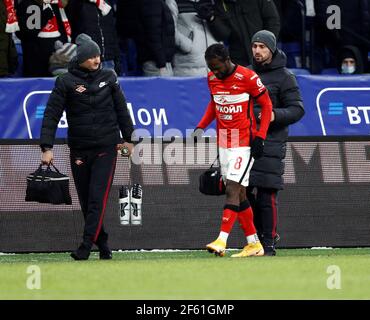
91 64
221 69
261 53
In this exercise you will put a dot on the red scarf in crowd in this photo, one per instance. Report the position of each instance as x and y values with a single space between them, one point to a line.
103 6
11 21
51 29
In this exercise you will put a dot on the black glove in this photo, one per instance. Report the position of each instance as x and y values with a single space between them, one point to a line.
204 9
257 147
197 134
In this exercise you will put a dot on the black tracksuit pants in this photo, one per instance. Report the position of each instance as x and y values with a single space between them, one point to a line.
264 205
93 172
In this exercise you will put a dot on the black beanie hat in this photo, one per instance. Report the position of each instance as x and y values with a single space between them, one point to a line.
267 38
86 48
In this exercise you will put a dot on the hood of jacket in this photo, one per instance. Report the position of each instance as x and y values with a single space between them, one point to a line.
353 52
278 61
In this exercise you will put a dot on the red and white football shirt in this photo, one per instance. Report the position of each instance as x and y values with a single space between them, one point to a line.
232 106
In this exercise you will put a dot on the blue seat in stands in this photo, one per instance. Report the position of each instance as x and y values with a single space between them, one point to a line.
298 71
329 71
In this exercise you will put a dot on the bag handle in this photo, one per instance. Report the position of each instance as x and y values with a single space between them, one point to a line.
55 168
217 158
39 171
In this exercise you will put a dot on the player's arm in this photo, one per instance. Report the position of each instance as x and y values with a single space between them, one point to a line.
260 94
209 115
266 110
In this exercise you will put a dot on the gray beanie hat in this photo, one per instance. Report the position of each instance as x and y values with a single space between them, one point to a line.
86 48
267 38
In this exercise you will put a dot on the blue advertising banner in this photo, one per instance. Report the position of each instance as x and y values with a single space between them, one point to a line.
335 105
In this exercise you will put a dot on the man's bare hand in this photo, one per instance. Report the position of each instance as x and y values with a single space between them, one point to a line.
126 149
47 157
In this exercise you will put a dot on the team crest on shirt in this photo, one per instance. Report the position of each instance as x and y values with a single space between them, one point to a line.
80 88
239 76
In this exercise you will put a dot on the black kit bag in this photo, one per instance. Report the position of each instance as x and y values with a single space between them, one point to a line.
211 182
48 186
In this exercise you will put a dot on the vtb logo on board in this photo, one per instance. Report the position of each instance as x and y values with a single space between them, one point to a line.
344 109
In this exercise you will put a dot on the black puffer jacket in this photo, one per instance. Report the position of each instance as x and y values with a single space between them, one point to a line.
237 21
288 108
95 106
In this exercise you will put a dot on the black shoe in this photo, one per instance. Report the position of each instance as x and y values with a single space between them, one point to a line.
82 253
104 252
105 255
270 251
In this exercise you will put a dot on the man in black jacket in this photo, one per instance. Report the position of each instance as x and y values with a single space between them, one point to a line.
266 175
96 112
97 19
236 21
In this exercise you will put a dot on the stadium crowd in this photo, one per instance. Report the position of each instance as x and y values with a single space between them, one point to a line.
169 37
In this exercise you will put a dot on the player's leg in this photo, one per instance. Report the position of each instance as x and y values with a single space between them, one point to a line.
229 216
252 198
231 207
245 217
239 171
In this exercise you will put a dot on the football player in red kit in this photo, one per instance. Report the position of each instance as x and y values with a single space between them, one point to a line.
232 89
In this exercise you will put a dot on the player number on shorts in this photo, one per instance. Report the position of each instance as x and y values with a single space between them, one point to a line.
238 163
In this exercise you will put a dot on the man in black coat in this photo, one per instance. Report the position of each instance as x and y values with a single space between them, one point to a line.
99 22
236 21
266 176
96 113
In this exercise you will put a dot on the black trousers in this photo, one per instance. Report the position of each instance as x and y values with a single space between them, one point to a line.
265 212
93 172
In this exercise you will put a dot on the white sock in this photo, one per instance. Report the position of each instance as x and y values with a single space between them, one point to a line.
223 235
252 238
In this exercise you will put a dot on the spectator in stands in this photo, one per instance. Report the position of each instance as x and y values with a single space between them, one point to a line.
266 175
350 61
150 24
97 19
354 30
38 32
97 113
59 60
192 38
235 21
8 53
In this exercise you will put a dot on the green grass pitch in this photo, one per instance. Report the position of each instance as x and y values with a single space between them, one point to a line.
140 275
